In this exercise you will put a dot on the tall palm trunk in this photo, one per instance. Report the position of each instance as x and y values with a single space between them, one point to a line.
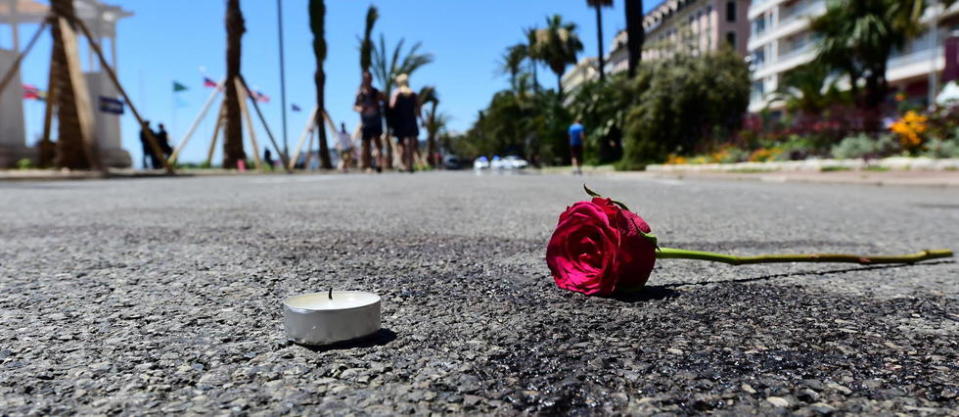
431 138
599 38
235 27
635 33
318 26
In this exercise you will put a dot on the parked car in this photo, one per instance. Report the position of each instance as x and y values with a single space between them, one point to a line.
481 163
497 163
515 162
451 162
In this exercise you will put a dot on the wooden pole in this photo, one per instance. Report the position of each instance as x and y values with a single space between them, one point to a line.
46 159
216 133
81 95
307 130
249 125
151 139
16 62
284 158
195 125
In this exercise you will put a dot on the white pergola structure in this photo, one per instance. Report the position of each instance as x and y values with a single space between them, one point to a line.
101 19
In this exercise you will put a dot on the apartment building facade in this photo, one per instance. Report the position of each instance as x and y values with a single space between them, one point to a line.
780 39
695 26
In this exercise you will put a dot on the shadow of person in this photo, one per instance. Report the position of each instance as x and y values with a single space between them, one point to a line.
380 338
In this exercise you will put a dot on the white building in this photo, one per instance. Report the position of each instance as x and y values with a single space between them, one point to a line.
102 20
781 40
584 71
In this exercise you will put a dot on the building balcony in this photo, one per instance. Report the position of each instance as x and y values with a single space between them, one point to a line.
793 20
757 7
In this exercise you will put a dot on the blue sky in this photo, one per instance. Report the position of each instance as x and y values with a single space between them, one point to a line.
175 39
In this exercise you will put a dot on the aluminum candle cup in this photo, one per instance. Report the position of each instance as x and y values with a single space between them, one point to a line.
329 317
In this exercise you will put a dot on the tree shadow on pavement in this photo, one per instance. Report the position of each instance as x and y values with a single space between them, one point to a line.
380 338
804 273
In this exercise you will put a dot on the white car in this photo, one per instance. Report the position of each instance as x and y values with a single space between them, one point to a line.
515 162
481 163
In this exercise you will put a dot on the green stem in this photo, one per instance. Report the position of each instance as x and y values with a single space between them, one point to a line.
671 253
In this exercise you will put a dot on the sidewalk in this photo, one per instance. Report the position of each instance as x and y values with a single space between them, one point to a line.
887 178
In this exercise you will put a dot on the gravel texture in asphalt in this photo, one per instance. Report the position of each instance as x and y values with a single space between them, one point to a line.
162 296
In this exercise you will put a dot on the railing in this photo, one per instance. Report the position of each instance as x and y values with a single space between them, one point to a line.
807 47
806 9
922 55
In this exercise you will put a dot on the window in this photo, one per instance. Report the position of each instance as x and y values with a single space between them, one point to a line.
730 11
731 39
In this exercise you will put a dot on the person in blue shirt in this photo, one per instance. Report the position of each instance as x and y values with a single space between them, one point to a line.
577 134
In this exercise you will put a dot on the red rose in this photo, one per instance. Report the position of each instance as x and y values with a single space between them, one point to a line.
599 247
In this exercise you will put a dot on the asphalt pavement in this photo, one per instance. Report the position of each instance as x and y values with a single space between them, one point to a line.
162 296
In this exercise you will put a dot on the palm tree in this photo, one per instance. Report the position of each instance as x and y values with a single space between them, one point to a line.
598 5
635 33
512 63
366 44
318 27
807 89
433 121
557 45
233 143
858 37
386 67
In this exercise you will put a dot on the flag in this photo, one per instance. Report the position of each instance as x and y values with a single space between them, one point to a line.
296 108
207 82
31 92
260 97
111 105
177 87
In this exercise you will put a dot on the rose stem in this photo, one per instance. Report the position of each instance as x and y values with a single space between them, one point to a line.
672 253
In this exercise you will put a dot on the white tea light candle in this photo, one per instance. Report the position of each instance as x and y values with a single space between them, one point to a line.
329 317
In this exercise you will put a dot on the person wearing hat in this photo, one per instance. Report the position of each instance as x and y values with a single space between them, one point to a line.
405 109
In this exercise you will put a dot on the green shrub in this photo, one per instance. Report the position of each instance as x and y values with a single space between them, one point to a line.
25 163
937 148
864 146
684 102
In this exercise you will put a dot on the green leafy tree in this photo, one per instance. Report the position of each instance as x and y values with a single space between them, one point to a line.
386 66
808 89
598 5
684 103
433 121
602 107
556 45
512 62
858 37
318 27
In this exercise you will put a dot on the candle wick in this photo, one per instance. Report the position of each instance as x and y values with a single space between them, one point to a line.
331 293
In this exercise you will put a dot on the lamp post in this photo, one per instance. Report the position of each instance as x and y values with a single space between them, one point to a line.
279 16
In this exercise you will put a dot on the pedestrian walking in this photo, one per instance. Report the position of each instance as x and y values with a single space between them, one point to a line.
369 104
268 158
405 109
344 146
163 139
577 136
148 158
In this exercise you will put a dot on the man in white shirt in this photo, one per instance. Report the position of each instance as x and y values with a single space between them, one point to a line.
344 145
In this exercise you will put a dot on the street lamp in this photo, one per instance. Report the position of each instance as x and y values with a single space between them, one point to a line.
279 17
